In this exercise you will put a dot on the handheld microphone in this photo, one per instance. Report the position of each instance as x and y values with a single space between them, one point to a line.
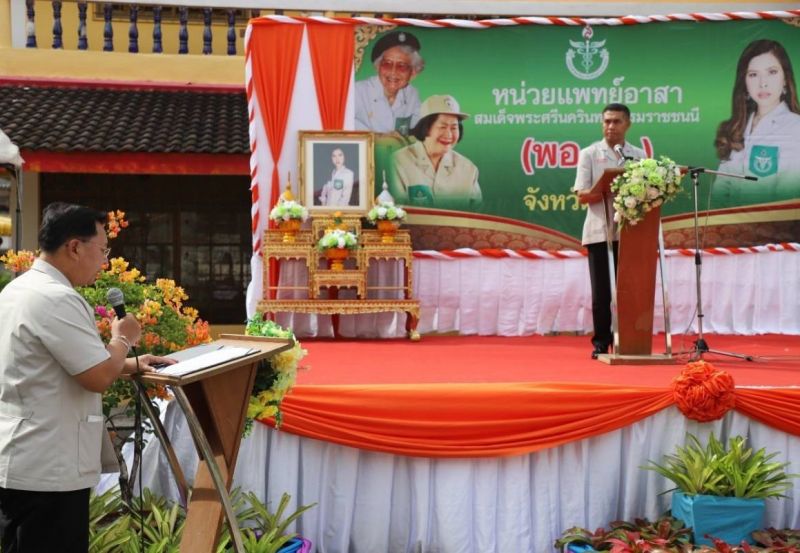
115 297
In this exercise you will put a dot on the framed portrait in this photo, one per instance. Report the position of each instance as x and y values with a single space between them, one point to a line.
336 171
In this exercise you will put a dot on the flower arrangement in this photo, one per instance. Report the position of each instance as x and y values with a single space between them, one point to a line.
275 376
386 211
339 239
645 185
703 392
286 210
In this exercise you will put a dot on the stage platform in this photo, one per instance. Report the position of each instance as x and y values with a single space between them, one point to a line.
471 444
476 359
470 396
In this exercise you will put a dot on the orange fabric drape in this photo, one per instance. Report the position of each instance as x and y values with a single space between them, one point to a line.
332 49
465 420
775 407
273 51
490 420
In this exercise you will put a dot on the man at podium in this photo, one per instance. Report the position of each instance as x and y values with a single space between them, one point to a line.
593 160
53 366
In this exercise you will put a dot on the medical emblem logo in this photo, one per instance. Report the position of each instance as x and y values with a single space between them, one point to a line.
587 60
764 160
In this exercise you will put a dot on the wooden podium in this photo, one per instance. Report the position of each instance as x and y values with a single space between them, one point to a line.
214 401
633 299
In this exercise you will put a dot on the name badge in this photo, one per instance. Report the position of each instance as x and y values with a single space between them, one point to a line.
420 194
402 125
338 184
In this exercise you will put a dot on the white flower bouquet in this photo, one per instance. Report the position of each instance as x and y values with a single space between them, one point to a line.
339 239
286 210
386 211
645 185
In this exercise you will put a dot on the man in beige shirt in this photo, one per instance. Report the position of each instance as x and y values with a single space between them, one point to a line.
592 161
53 367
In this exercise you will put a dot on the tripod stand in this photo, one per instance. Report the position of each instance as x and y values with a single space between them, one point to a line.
700 345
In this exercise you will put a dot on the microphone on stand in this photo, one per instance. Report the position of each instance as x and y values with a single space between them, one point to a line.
115 297
622 157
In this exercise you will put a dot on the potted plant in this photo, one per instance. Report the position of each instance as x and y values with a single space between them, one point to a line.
721 491
387 217
645 185
337 244
289 215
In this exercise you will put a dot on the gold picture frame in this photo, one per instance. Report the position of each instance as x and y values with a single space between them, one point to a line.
337 171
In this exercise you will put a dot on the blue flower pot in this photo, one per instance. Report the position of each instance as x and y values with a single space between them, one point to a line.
731 519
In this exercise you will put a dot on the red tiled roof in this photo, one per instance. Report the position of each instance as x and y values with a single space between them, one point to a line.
114 119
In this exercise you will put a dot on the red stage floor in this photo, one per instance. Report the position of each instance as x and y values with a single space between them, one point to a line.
474 359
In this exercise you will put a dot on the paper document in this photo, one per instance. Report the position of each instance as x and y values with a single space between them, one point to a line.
215 357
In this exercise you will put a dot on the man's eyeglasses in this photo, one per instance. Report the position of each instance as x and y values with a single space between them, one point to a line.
106 250
397 65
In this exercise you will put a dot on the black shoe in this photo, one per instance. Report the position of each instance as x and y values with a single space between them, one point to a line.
598 350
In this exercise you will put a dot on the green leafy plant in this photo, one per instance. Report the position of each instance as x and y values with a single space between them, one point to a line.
154 525
665 534
735 471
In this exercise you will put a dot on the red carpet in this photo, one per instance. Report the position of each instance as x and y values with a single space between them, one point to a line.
467 396
451 359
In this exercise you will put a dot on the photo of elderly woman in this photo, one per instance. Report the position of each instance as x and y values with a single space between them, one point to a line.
429 171
338 182
387 102
762 136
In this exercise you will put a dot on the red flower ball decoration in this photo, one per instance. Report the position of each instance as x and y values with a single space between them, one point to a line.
702 392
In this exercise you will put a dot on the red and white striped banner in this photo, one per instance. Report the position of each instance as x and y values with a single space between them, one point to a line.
550 20
498 253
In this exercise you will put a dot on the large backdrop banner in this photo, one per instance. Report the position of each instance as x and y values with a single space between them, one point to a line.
719 95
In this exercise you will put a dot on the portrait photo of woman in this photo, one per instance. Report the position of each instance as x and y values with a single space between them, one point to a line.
338 188
430 171
387 102
762 137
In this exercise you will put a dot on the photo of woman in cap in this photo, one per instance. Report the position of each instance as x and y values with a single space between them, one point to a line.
430 172
386 102
338 190
762 137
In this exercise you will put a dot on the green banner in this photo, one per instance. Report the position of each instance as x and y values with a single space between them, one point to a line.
534 95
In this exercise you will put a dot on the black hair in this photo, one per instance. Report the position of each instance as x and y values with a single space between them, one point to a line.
423 126
62 222
618 107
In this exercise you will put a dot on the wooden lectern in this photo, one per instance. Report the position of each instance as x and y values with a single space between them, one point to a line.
214 400
633 298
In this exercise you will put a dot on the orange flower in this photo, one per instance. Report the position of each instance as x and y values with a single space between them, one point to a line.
197 333
116 222
703 392
18 262
158 391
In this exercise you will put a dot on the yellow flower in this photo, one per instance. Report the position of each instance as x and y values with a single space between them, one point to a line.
173 294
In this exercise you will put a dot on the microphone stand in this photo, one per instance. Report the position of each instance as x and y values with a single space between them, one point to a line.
700 345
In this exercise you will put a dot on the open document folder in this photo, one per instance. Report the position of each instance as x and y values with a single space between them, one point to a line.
203 357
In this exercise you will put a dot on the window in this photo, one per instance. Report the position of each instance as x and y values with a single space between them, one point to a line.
194 229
